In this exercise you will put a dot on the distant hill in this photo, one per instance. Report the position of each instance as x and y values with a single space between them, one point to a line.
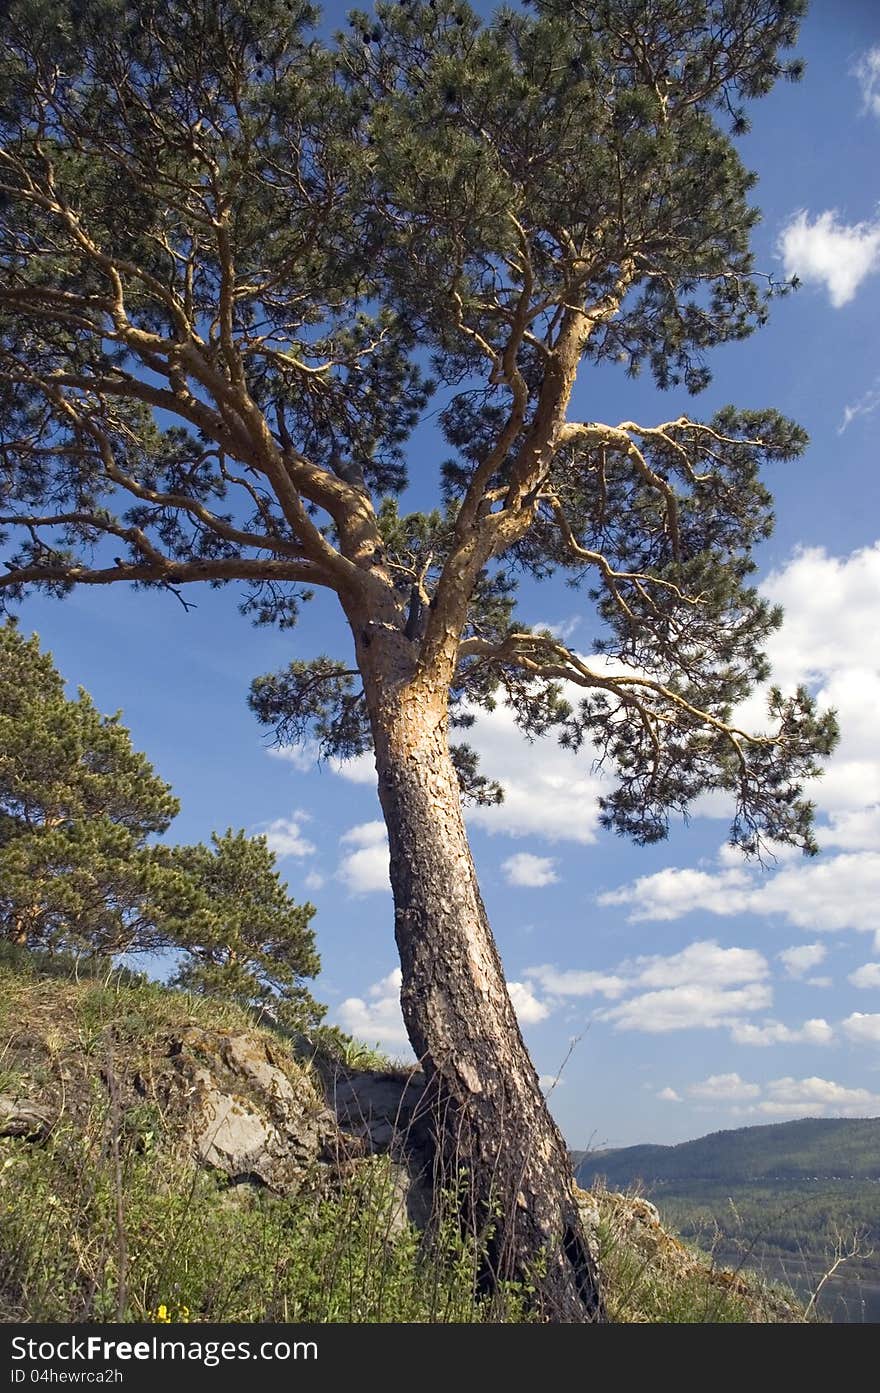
813 1148
781 1198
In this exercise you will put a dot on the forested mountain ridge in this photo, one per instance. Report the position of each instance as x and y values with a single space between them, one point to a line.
810 1148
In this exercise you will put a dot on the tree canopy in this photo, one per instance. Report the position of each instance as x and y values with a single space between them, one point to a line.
230 253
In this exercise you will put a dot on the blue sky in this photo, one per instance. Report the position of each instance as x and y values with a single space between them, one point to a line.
700 993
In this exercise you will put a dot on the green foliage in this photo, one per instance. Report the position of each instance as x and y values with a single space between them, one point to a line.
205 1252
252 237
78 872
77 806
81 1241
243 938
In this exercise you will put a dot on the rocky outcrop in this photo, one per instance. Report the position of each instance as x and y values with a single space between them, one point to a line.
247 1115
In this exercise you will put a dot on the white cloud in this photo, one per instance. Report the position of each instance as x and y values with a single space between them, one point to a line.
366 868
855 829
812 1097
827 601
726 1088
550 1082
863 1028
798 960
315 881
866 976
365 834
703 985
688 1007
812 1032
528 1008
672 892
549 792
285 837
842 892
528 870
377 1016
703 963
829 252
786 1097
303 757
359 770
865 405
867 73
376 1019
563 628
669 1095
572 982
306 757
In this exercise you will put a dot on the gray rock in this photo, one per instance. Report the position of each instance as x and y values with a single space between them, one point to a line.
20 1117
389 1113
247 1116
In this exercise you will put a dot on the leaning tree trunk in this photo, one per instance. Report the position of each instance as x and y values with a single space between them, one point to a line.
495 1126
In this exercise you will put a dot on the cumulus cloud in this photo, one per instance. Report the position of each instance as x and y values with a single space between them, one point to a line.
702 963
572 982
548 792
365 869
529 1009
703 985
688 1007
303 757
726 1088
359 770
812 1032
785 1097
672 892
815 1097
669 1095
799 960
830 641
866 976
563 628
839 893
376 1018
863 1028
867 73
530 871
827 251
285 837
315 881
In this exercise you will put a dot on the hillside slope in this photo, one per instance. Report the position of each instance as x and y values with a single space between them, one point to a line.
812 1148
785 1198
163 1158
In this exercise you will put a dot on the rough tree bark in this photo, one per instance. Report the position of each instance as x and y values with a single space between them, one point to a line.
494 1124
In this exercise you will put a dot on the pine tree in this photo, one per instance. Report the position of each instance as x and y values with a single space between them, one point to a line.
82 871
230 252
78 806
243 938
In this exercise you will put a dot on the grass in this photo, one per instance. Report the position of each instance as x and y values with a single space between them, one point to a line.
109 1218
171 1242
